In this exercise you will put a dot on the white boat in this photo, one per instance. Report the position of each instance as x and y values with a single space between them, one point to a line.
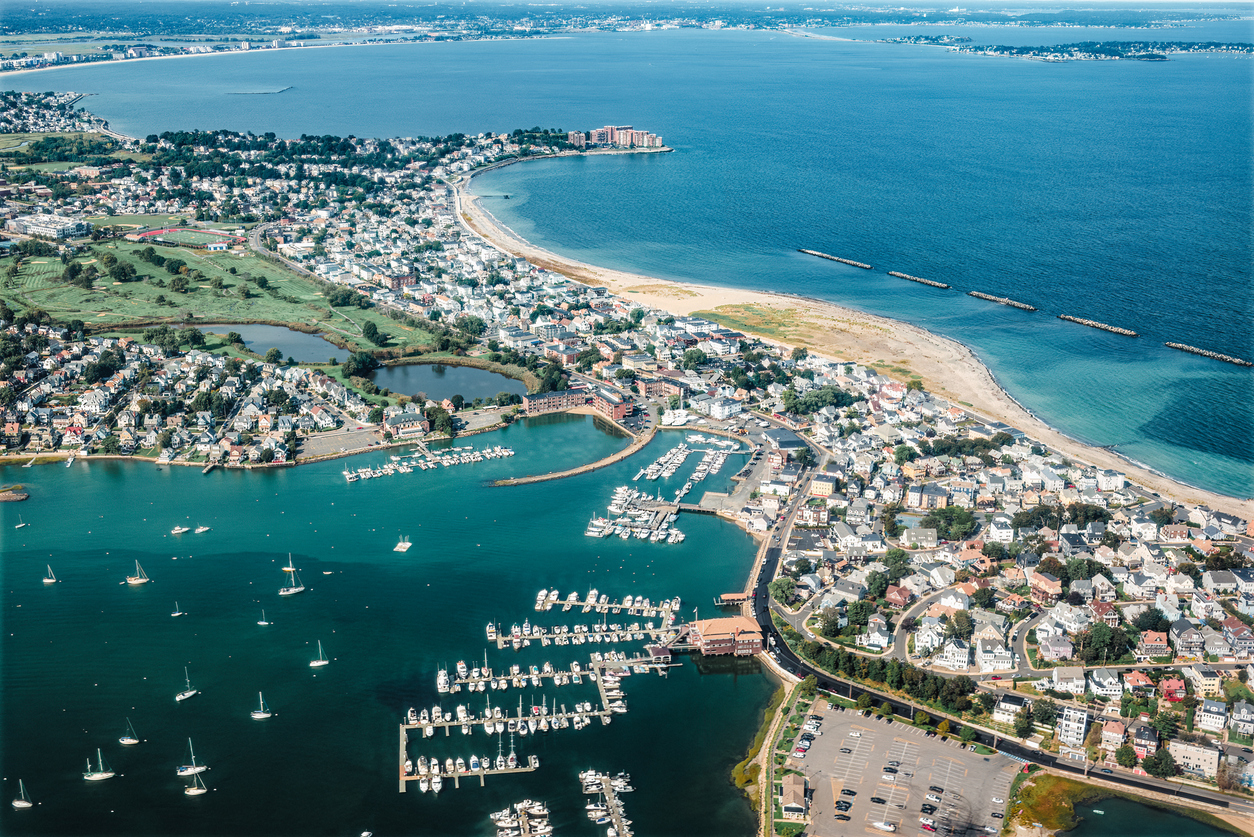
69 461
436 783
129 738
424 784
290 567
200 530
140 576
20 523
263 711
50 578
189 691
23 799
193 768
403 545
294 585
263 621
197 787
178 612
322 659
101 772
178 530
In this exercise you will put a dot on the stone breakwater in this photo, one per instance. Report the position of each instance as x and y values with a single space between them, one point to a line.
862 265
1194 350
931 282
1127 332
1001 300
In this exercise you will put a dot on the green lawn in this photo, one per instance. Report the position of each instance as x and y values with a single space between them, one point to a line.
296 299
155 221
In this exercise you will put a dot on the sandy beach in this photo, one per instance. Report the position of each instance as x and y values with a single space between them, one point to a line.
947 367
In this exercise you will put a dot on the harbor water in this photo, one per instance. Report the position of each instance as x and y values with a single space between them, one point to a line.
439 381
83 655
1125 818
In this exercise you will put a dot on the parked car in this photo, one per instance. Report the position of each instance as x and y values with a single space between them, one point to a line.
843 817
931 797
935 789
845 750
847 792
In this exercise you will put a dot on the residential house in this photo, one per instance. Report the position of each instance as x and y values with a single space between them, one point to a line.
1153 644
1172 689
1054 648
1046 589
1008 706
1211 716
1068 679
1139 682
1105 683
1242 718
1187 639
956 655
1114 733
1073 724
1144 738
1205 681
1197 759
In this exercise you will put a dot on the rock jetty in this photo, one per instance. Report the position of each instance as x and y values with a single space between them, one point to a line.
1001 300
862 265
931 282
1207 353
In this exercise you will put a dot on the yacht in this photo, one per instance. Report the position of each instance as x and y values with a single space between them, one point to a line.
200 530
23 798
193 768
189 691
294 584
263 711
322 658
140 576
101 771
178 530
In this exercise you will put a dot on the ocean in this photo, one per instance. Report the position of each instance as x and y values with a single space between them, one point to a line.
80 657
1113 191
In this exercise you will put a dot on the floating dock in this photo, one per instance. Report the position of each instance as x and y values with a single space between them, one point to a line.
1194 350
523 819
532 764
612 809
931 282
1002 300
850 262
1126 332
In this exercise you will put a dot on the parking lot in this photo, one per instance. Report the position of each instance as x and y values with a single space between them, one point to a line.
892 769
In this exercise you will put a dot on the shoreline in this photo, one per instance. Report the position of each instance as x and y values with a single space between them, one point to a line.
949 368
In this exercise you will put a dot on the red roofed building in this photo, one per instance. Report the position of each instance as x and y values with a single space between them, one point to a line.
1172 688
738 635
898 596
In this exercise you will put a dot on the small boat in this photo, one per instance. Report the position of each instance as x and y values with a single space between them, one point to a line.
20 523
129 737
23 799
1098 811
197 787
69 461
200 530
101 772
189 691
178 612
50 578
263 621
403 545
178 530
140 576
322 659
193 768
263 712
436 783
294 585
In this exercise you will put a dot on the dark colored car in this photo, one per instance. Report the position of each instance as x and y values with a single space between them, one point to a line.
935 789
878 800
1107 770
890 770
843 817
843 806
847 792
845 750
998 815
928 809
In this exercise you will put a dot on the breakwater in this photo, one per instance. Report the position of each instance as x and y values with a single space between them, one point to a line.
1127 332
862 265
1194 350
931 282
1001 300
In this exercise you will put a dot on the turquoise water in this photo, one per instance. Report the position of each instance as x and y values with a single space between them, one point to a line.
1116 191
440 381
302 347
1124 818
81 656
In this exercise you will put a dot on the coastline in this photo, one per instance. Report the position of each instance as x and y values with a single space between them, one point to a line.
949 368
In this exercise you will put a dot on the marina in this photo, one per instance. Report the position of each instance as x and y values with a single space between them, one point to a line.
1001 300
1126 332
851 262
523 819
607 810
931 282
422 459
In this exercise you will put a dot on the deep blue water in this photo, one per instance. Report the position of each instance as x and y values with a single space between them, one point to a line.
294 344
439 381
1116 191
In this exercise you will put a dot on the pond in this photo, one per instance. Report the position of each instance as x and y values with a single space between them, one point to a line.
303 347
439 381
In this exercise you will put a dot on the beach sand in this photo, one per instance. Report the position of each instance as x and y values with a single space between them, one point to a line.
945 366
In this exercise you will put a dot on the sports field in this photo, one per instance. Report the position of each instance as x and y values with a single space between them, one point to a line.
194 238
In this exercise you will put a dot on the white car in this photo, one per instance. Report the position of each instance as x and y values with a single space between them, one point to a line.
855 735
931 797
999 800
927 821
888 777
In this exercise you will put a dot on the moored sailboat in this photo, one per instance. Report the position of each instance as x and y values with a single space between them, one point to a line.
101 771
50 578
294 584
263 621
189 691
263 711
197 787
193 768
129 737
177 612
23 799
140 576
322 659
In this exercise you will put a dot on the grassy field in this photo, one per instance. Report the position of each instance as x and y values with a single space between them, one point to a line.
11 142
154 221
295 299
193 237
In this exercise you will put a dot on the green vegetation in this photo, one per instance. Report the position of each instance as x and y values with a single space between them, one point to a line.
746 772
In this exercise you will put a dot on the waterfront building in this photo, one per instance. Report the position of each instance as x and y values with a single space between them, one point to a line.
1197 759
737 635
1073 724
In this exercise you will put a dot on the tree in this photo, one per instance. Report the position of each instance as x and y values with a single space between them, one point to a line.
961 625
922 719
693 358
371 332
904 453
829 618
1161 765
375 416
111 445
886 709
1024 725
942 729
967 733
1166 724
358 363
804 456
782 589
865 700
809 686
876 584
1126 756
983 597
1045 711
274 356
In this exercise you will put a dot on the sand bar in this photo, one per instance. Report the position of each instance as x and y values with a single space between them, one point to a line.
948 368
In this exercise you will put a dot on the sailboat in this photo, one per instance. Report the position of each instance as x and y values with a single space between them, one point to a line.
189 691
193 768
50 578
129 737
263 712
263 621
178 612
23 799
294 586
101 772
140 576
322 658
197 787
20 522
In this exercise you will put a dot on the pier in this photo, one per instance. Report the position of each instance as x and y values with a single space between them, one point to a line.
532 764
1194 350
931 282
1126 332
524 819
610 812
850 262
1002 300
